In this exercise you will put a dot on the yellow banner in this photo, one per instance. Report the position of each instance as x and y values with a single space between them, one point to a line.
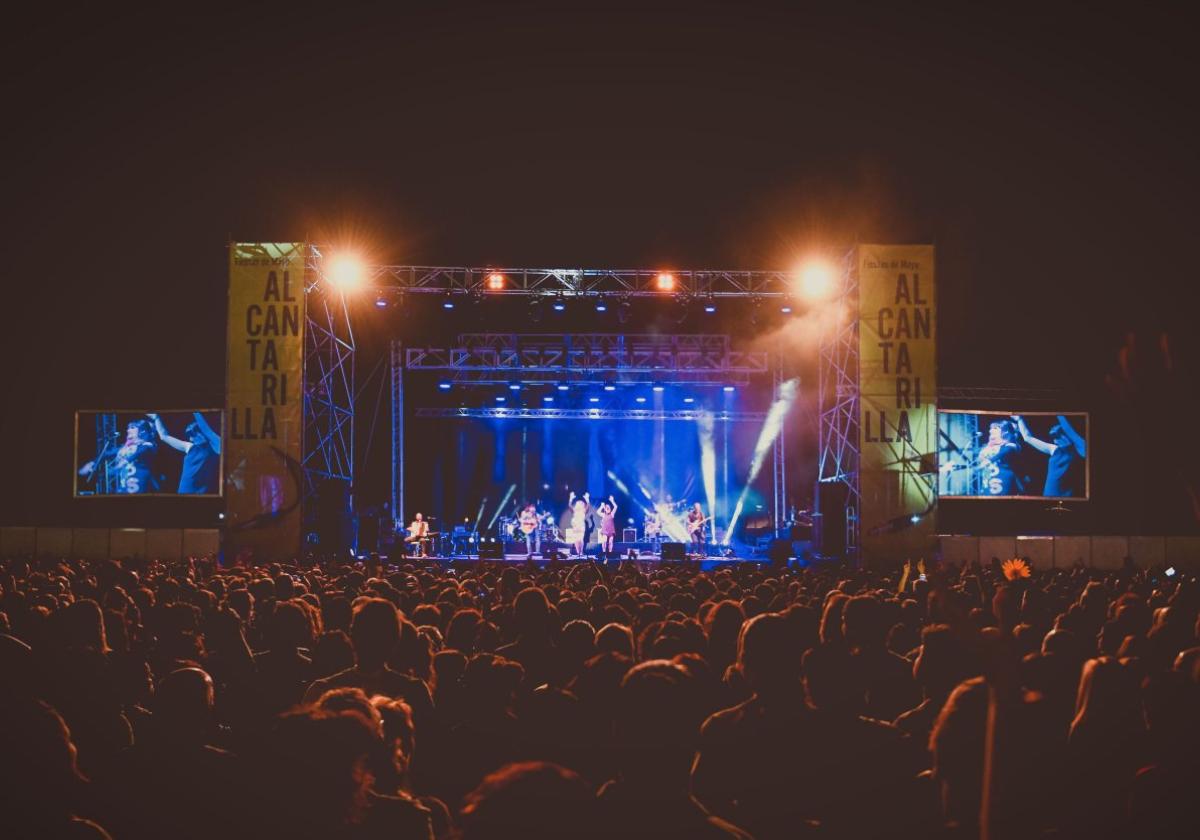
263 401
898 399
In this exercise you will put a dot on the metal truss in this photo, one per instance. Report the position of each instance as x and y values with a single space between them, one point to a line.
577 282
528 413
397 373
497 358
778 453
838 397
328 450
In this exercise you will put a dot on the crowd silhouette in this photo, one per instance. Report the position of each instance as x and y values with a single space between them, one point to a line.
141 699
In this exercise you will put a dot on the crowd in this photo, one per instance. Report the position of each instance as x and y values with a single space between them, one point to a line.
152 700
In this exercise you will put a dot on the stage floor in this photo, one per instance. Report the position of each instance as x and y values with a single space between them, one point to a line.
707 562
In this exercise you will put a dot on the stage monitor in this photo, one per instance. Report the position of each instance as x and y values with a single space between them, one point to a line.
998 455
148 453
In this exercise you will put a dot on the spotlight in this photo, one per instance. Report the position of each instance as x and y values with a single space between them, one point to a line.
501 399
444 385
380 302
817 280
786 308
728 389
547 399
610 387
689 400
514 386
593 399
447 302
710 307
601 306
559 304
658 389
346 272
563 387
495 281
665 281
640 399
916 517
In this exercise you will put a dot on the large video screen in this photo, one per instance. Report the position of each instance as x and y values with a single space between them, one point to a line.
990 455
148 453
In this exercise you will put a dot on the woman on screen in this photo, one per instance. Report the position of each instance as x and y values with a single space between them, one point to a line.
997 461
133 461
1067 450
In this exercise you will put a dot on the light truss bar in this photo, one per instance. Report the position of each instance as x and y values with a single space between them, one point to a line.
576 282
522 413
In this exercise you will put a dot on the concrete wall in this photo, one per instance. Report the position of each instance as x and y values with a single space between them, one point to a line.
100 543
1105 553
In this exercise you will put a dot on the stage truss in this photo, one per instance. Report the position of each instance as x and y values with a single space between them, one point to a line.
328 451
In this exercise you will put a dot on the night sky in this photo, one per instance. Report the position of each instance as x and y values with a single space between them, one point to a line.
1049 156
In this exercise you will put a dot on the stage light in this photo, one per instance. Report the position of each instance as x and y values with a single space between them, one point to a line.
689 400
665 281
563 387
444 385
347 272
658 389
710 307
495 281
593 399
601 306
514 386
728 389
610 387
559 304
916 517
501 399
547 399
639 399
770 430
786 308
447 302
817 280
380 302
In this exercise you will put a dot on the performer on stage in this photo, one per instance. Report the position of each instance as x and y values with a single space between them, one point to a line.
578 533
418 534
1067 451
201 454
530 525
608 524
133 461
696 521
998 461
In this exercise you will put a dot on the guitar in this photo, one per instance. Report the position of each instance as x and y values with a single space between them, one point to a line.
698 525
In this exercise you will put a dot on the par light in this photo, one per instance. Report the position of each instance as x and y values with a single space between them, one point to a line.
347 272
495 281
664 281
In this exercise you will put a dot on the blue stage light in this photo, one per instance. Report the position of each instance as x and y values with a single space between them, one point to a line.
610 387
710 308
601 306
594 399
559 305
547 399
689 400
728 389
514 386
448 303
444 385
640 399
658 389
916 517
563 387
501 399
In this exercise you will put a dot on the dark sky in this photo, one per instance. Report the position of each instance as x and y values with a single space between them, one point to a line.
1049 155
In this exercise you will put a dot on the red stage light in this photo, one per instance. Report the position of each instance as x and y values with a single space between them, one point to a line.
495 281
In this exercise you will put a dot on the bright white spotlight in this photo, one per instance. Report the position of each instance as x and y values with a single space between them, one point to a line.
817 280
771 429
347 272
665 281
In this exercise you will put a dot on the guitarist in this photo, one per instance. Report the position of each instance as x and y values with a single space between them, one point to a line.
530 524
418 534
696 520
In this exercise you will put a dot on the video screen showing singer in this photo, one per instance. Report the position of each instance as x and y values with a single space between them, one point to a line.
141 453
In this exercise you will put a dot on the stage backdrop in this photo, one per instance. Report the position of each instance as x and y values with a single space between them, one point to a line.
898 406
263 482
